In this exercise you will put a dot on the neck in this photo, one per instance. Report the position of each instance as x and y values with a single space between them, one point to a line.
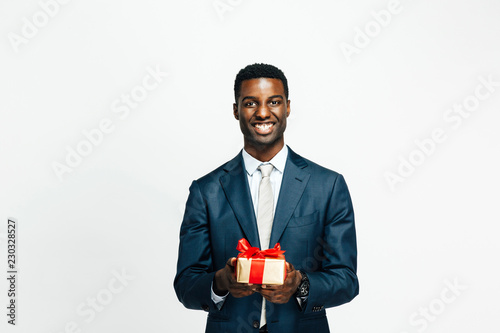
264 153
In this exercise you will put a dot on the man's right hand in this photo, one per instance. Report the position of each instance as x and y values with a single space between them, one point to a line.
225 281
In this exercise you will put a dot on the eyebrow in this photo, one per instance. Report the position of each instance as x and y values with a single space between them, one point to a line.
248 97
270 97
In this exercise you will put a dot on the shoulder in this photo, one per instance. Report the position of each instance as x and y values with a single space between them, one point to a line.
322 180
232 166
314 169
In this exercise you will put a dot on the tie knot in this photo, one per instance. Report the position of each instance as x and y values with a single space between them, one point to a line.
266 169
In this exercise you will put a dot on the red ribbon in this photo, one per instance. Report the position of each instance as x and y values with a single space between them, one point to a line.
248 251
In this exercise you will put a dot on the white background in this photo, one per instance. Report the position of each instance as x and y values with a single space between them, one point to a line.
121 207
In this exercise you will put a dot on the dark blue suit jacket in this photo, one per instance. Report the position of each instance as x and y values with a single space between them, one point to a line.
313 222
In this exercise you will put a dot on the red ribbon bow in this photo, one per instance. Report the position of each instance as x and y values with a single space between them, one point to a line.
248 251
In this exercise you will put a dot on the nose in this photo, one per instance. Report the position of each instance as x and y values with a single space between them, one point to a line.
263 112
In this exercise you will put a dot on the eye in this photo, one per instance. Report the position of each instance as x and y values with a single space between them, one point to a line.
249 104
275 102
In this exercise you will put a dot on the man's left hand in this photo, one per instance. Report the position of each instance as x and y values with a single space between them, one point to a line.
281 294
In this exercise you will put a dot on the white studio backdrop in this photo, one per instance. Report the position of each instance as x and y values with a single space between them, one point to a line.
109 109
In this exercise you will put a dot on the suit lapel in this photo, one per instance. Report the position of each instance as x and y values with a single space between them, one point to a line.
235 186
294 182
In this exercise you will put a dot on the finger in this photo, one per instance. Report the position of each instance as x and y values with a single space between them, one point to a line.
271 286
266 293
247 288
231 261
277 299
242 286
270 291
243 292
289 268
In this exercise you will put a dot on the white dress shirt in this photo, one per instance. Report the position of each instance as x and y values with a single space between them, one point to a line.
254 177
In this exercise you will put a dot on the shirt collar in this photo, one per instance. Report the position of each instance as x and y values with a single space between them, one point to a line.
278 161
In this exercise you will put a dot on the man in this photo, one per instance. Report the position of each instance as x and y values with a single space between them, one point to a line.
267 194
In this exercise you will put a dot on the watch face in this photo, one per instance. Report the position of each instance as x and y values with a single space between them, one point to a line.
304 288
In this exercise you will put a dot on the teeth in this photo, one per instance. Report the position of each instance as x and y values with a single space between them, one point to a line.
263 126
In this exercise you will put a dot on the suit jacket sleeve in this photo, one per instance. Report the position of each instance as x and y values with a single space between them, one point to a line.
336 282
195 271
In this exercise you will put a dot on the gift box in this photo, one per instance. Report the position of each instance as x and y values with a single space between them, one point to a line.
260 267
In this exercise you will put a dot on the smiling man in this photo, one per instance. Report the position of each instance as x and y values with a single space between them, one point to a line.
267 194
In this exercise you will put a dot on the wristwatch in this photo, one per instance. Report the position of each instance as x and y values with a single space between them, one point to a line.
303 288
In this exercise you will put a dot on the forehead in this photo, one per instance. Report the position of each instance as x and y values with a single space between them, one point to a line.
262 87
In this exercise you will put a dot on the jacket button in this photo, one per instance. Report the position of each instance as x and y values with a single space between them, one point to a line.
205 307
255 324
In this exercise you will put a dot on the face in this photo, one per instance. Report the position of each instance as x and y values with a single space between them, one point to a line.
262 110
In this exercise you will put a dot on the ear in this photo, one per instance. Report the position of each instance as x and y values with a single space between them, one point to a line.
287 108
235 111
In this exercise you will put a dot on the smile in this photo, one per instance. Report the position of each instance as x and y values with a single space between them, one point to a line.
264 128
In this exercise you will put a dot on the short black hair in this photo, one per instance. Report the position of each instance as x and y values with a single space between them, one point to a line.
257 71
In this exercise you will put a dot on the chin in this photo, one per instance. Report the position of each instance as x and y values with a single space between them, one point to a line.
269 142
